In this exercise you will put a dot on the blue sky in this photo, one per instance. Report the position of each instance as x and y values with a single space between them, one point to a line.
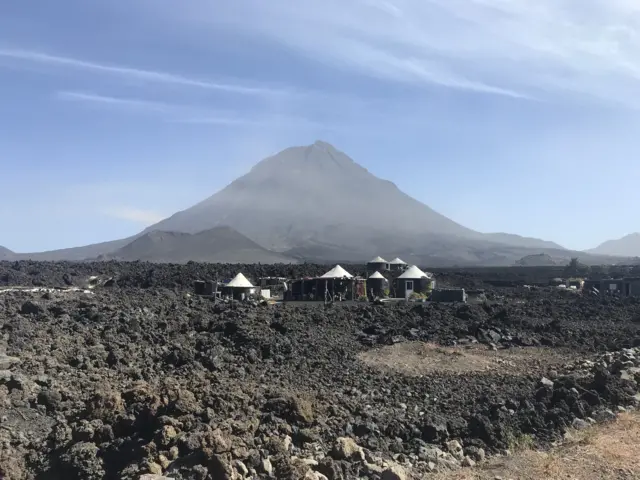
505 115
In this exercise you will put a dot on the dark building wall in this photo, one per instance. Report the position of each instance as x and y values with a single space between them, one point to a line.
336 287
449 295
301 289
236 293
376 286
634 288
419 285
377 267
204 287
315 289
624 287
612 286
591 284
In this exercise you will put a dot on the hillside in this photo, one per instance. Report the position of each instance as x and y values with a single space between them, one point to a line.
312 193
517 240
627 246
539 260
217 245
5 253
315 203
76 253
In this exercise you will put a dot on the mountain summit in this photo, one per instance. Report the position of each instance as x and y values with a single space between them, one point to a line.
317 203
316 194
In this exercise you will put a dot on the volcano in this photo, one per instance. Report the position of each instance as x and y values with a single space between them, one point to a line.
314 203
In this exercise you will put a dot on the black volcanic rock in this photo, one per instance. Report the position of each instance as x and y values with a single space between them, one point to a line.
217 245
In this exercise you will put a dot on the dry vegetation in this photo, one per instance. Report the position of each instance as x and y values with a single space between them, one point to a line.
418 358
604 452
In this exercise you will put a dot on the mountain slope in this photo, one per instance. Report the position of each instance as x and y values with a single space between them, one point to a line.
519 241
540 260
6 254
315 203
317 195
76 253
219 245
628 246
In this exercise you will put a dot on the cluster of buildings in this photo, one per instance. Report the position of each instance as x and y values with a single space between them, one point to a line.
394 279
622 287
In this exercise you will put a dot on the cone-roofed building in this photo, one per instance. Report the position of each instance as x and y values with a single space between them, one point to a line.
377 264
414 273
377 284
397 264
239 287
337 272
239 281
413 280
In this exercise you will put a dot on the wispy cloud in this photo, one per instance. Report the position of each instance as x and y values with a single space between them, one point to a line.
127 103
167 111
142 75
185 114
533 48
143 217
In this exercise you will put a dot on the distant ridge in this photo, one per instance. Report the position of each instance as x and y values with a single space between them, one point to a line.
520 241
216 245
5 253
627 246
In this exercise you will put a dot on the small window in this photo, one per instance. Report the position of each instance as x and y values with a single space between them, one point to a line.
410 285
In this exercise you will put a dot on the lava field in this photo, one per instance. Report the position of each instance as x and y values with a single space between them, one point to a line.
142 380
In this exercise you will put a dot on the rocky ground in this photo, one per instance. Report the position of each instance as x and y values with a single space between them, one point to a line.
140 378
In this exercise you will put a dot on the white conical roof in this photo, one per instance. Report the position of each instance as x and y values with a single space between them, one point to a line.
413 272
240 281
378 260
397 261
337 272
376 275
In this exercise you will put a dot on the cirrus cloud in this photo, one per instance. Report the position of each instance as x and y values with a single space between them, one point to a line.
588 50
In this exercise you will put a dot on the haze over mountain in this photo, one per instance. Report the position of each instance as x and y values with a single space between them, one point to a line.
627 246
316 197
5 253
314 203
217 245
456 102
306 194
